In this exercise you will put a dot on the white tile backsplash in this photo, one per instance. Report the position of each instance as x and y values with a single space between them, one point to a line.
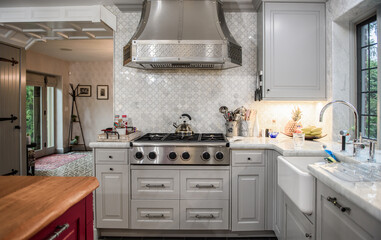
155 99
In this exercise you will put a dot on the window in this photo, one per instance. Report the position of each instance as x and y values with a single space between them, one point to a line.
367 77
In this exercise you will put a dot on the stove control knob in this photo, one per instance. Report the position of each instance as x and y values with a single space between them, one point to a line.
139 155
172 156
205 156
152 156
185 156
219 156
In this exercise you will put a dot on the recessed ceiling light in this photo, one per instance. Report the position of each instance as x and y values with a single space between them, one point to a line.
66 49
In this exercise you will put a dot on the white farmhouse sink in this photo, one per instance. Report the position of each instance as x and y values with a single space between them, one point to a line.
295 180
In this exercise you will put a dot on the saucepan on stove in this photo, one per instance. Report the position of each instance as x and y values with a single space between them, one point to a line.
184 128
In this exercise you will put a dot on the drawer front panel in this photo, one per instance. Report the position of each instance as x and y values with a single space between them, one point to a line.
153 214
204 214
198 184
111 156
155 184
248 157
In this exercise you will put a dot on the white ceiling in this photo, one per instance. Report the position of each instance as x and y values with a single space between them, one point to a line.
82 50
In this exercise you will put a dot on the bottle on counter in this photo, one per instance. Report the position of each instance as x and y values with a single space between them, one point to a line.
274 129
256 130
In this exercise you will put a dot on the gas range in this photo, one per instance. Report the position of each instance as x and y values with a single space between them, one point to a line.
177 149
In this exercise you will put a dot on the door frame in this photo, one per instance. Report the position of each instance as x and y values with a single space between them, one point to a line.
44 149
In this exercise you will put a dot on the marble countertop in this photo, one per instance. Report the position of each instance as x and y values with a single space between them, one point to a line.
366 195
110 145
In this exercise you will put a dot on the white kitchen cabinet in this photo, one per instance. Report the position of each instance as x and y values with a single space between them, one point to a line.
248 158
248 198
340 219
112 196
155 184
155 214
204 184
291 50
248 190
296 225
204 214
277 200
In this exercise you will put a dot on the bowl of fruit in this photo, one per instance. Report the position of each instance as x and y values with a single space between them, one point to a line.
310 133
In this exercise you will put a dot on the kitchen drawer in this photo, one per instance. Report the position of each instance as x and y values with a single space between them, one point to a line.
155 214
204 214
155 184
248 157
199 184
111 156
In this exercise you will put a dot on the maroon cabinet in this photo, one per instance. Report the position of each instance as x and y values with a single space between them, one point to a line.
75 223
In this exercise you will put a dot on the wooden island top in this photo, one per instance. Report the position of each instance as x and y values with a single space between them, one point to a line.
30 203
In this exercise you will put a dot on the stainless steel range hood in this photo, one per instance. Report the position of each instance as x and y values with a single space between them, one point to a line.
176 34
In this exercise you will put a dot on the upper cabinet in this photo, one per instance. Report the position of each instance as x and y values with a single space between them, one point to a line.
291 50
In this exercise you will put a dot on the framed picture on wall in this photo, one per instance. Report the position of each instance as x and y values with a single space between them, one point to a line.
102 92
84 91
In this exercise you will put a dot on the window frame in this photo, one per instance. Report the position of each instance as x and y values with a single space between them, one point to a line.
359 81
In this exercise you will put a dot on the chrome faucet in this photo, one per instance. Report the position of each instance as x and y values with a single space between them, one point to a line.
357 138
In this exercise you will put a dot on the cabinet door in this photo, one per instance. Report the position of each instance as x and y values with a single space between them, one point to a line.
294 66
278 199
200 184
297 226
248 198
352 224
155 184
112 196
155 214
204 214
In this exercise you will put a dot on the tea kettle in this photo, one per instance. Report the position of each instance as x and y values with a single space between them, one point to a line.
184 128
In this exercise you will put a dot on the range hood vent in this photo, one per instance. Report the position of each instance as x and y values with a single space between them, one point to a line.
175 34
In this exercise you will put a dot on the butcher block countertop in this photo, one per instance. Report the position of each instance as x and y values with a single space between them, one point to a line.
30 203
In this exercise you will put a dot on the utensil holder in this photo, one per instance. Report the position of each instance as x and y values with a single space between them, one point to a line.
245 128
231 128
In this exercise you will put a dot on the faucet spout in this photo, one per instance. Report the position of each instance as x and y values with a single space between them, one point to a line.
355 113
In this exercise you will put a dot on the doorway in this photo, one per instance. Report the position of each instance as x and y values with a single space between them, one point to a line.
40 112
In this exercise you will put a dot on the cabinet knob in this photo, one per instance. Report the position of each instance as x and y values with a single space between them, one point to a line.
268 89
111 169
308 235
110 157
248 158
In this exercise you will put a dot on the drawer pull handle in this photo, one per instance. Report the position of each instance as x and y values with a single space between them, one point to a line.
333 200
155 185
60 229
248 158
155 215
111 169
308 235
110 157
204 186
204 216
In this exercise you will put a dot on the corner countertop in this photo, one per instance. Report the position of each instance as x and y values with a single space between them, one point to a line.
30 203
282 144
